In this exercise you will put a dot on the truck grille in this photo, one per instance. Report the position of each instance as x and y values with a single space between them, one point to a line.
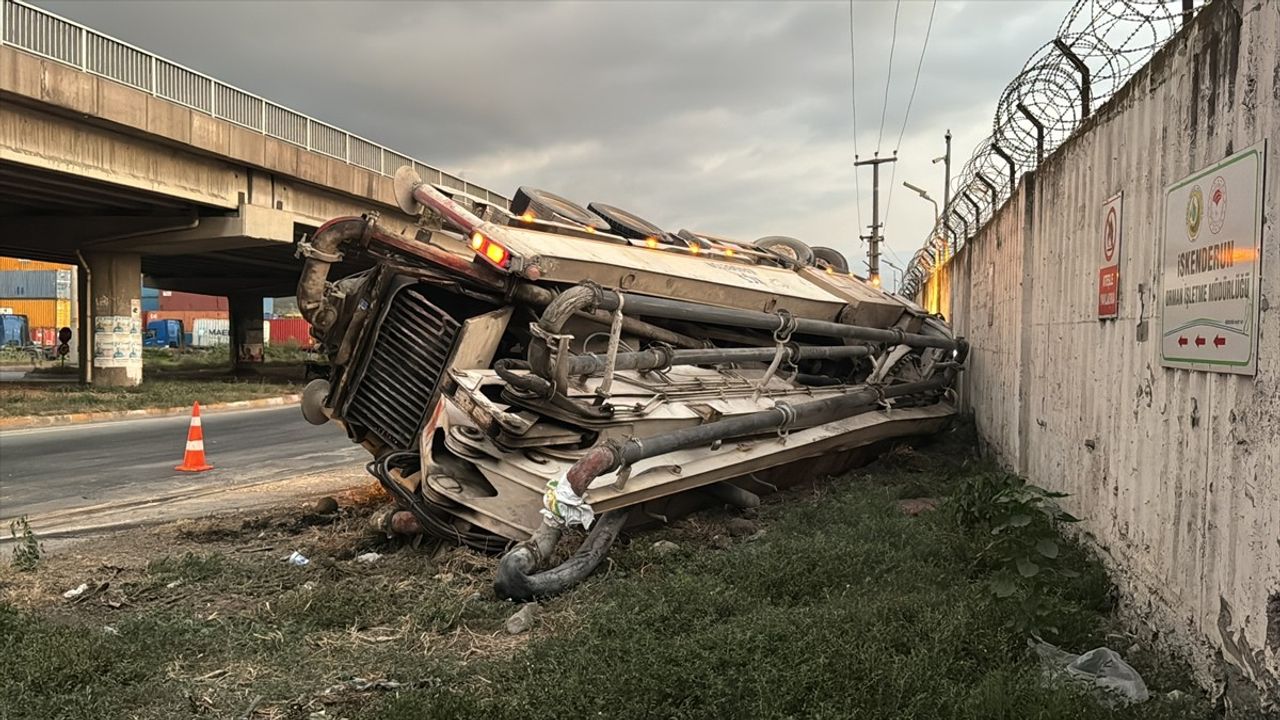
403 368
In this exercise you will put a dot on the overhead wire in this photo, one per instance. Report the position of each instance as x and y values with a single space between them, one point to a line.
853 98
893 42
906 117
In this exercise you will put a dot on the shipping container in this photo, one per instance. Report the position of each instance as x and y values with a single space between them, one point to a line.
44 312
188 317
150 293
10 263
35 284
287 330
210 333
150 304
174 300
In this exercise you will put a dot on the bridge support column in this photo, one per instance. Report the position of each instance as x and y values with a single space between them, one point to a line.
247 343
111 320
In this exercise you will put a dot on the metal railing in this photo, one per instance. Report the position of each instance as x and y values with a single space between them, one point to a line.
50 36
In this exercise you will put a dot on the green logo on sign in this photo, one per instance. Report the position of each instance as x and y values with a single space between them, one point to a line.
1195 211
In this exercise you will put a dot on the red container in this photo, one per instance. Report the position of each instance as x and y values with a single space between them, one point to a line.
285 330
172 300
188 317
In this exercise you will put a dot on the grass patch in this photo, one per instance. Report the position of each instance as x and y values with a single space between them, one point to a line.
39 398
844 608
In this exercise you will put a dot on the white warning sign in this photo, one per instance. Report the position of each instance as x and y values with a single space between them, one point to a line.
1212 266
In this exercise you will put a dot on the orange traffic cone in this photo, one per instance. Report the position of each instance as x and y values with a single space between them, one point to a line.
193 460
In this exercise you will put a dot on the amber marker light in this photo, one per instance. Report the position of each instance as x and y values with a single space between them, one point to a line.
477 241
651 243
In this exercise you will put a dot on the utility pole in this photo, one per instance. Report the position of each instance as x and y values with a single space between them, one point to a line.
946 180
874 239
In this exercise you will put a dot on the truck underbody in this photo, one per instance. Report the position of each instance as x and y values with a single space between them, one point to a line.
517 371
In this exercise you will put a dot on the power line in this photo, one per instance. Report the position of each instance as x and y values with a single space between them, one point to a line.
893 42
916 83
853 98
906 117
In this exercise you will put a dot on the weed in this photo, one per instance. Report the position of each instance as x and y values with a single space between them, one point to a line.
1021 523
26 548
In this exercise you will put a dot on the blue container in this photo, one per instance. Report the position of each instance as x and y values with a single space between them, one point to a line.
150 304
150 292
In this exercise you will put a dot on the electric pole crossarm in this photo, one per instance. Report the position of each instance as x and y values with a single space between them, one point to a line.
873 246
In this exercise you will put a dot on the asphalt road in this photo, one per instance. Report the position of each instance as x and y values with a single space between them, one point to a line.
45 470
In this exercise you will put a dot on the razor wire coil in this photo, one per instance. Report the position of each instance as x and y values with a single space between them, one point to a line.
1099 46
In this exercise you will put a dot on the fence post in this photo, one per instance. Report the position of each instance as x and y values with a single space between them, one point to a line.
1013 169
1039 126
1084 74
990 188
977 214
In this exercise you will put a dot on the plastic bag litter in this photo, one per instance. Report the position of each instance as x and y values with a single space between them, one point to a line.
562 506
368 558
1103 668
76 592
298 559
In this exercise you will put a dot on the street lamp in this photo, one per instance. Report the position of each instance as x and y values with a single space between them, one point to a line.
925 195
897 280
937 236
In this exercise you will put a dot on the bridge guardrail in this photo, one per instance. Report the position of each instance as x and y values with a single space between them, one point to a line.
51 36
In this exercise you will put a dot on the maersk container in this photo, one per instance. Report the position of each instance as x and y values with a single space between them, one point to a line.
206 332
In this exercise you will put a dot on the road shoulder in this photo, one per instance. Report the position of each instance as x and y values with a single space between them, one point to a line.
35 421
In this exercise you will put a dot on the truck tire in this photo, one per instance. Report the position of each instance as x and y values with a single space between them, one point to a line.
693 240
627 225
832 257
786 247
549 206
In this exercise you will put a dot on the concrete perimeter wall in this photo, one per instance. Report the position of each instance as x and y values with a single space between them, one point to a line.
1176 473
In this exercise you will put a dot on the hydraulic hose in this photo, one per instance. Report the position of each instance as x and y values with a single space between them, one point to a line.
657 358
607 458
517 579
697 312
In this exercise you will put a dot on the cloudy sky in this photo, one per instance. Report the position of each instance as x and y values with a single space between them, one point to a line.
733 118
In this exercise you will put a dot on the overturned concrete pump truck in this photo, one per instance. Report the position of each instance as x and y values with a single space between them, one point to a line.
517 371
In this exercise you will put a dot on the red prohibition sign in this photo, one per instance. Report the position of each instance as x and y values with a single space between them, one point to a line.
1109 235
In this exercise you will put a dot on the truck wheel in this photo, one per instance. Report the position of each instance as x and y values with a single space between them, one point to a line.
549 206
693 240
625 224
831 257
786 247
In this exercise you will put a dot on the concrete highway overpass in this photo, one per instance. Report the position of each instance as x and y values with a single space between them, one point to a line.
125 164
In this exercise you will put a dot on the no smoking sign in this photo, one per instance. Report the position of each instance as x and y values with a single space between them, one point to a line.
1109 268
